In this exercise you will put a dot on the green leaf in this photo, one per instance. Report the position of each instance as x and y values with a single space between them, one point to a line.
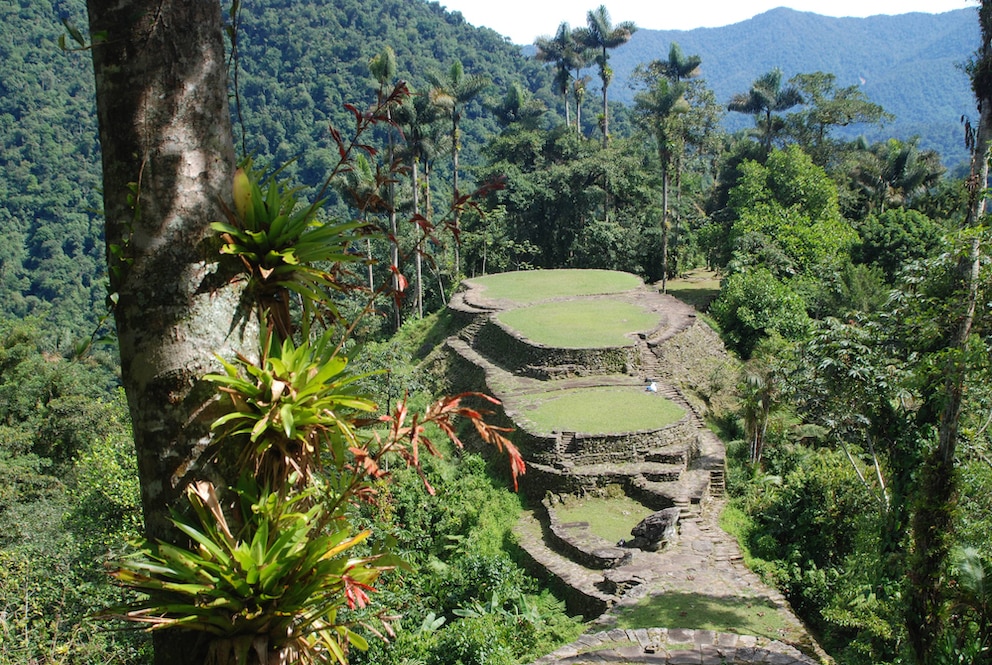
216 550
288 421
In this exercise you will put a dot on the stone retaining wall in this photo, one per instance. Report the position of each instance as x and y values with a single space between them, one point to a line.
579 544
520 356
577 601
631 446
542 479
464 375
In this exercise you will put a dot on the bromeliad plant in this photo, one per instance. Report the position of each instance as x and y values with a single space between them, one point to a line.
270 590
294 406
298 407
268 580
283 245
284 248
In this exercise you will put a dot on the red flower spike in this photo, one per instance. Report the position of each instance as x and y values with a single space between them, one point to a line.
354 592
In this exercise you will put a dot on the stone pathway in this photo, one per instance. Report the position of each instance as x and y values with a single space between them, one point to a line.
676 646
705 561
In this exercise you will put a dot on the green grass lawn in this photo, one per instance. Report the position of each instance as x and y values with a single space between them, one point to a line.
698 288
580 324
528 286
745 616
610 518
599 410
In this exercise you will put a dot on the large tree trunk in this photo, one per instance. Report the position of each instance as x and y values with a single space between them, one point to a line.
168 162
664 228
933 523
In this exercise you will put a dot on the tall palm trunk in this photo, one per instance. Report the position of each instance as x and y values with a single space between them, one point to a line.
664 229
429 213
394 245
368 260
454 193
417 249
605 76
580 95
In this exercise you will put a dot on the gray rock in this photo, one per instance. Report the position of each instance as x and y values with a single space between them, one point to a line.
656 530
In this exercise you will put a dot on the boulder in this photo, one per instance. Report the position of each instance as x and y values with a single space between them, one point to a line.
656 530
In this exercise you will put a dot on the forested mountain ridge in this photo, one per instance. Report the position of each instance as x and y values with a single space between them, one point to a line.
302 61
910 64
299 63
51 247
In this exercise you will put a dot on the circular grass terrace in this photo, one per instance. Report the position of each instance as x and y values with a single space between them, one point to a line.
530 286
598 410
609 517
580 324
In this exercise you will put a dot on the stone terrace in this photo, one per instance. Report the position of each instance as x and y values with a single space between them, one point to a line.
681 465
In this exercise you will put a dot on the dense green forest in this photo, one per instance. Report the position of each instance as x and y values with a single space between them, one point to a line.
841 293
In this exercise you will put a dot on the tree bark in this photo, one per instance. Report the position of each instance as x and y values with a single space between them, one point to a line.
168 163
933 522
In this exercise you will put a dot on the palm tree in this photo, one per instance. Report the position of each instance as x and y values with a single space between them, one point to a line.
361 188
679 66
659 110
601 35
560 51
767 96
579 86
418 117
761 391
451 93
518 108
892 173
383 69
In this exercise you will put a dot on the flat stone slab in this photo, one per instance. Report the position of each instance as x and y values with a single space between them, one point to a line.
676 646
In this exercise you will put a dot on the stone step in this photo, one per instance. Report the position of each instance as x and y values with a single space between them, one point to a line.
671 646
658 472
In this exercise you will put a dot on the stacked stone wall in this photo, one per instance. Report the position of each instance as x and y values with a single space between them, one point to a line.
525 358
577 600
631 446
579 544
463 375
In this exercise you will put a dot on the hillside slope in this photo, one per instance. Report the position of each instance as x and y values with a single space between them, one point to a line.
300 61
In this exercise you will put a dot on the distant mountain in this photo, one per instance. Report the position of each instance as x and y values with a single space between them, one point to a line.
911 64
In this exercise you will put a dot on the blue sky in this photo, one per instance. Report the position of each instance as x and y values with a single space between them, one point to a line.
523 20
